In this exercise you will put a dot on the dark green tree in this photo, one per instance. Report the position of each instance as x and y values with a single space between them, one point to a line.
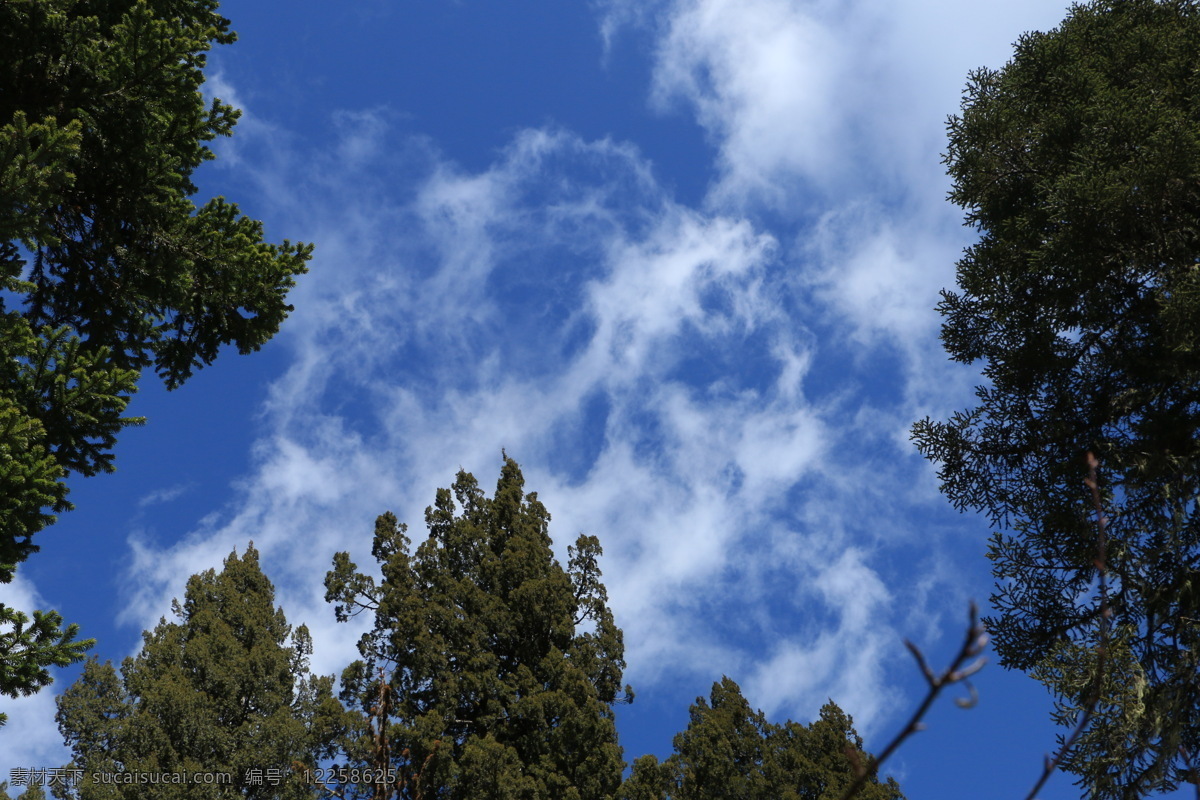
225 689
731 752
1079 165
106 265
499 667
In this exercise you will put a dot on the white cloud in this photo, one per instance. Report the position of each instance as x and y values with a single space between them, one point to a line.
687 468
835 112
762 77
31 737
360 134
840 98
843 661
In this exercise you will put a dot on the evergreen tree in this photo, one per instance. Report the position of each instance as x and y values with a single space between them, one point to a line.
219 691
31 792
499 668
1079 165
731 752
106 265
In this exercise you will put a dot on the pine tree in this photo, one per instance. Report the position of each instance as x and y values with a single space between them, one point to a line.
500 668
111 266
223 690
1079 165
731 752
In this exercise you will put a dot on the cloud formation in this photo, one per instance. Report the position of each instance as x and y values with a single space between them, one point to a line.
640 358
648 363
763 78
721 394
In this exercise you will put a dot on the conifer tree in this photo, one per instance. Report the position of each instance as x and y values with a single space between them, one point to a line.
106 265
731 752
1078 162
499 667
223 690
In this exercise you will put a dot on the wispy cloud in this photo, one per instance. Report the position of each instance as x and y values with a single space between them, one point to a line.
832 115
165 495
636 355
842 661
648 363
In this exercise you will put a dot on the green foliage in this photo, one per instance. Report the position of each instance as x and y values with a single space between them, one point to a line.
1079 165
106 265
102 125
27 650
220 691
500 668
731 752
1121 711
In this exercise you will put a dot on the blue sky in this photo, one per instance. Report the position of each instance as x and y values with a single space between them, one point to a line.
679 258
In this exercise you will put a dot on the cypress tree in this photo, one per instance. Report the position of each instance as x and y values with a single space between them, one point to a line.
496 668
224 690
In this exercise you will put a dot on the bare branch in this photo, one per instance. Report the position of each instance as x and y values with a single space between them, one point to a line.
973 644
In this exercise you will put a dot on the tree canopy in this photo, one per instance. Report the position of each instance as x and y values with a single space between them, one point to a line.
1079 165
499 667
225 690
731 751
106 265
103 126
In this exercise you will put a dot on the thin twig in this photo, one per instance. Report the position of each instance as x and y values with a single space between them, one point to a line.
1101 564
972 646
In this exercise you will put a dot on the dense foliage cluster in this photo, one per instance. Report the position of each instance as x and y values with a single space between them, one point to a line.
103 126
1079 164
731 751
503 666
